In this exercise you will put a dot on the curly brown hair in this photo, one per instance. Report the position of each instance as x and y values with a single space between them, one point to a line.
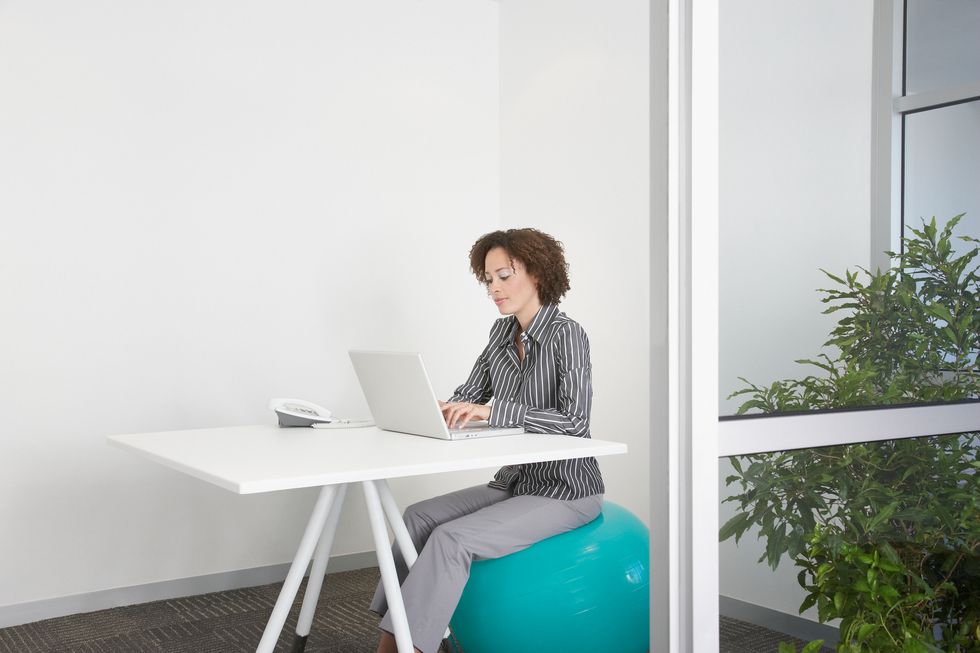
541 255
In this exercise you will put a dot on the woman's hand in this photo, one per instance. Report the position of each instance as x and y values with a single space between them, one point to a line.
458 414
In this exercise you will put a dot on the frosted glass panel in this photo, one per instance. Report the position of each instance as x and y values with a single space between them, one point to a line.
794 183
942 165
942 46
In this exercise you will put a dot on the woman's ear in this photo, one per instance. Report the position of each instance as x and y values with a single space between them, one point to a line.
536 284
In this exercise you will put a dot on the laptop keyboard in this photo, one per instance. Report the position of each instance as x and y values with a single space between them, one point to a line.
472 426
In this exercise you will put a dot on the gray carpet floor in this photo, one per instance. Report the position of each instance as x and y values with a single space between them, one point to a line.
233 621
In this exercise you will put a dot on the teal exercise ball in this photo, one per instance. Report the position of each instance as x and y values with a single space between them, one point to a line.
585 590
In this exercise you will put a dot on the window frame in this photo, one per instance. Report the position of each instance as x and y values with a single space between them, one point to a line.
891 104
695 438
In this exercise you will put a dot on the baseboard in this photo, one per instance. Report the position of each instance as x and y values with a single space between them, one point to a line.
22 613
782 622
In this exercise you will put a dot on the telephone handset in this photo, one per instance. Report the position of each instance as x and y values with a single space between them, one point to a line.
298 412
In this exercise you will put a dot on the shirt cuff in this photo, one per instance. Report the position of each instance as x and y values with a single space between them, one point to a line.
507 414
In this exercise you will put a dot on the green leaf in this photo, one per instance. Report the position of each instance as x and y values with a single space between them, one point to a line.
734 526
865 631
889 551
835 278
808 602
885 565
786 648
882 515
813 646
823 569
914 646
890 594
940 311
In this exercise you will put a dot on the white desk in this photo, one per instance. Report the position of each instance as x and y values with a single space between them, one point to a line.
251 459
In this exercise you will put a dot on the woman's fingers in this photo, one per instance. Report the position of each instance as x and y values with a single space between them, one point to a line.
448 410
465 415
458 414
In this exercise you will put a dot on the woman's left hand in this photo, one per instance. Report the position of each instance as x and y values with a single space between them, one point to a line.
458 414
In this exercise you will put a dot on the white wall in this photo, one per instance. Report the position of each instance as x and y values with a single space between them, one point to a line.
203 205
795 197
574 112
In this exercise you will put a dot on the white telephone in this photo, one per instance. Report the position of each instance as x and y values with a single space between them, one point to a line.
297 412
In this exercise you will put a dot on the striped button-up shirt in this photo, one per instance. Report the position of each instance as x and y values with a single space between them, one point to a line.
550 391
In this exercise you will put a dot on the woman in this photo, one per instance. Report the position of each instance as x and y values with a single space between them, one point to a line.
536 368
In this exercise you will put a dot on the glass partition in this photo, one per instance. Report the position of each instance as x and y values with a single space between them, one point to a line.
794 154
942 48
833 302
942 165
873 543
814 316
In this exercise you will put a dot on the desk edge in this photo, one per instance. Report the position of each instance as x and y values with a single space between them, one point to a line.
219 481
255 487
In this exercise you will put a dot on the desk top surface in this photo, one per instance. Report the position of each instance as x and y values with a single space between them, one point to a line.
252 459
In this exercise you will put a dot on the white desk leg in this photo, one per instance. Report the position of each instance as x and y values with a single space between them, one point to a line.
296 571
389 576
405 544
319 568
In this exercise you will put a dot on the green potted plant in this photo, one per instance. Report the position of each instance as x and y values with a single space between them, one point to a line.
886 534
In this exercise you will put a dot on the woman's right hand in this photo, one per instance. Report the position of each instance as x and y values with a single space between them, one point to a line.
458 414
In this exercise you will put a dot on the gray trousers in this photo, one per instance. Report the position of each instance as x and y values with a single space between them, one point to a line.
451 530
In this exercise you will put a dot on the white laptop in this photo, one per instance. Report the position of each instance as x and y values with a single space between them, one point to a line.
401 398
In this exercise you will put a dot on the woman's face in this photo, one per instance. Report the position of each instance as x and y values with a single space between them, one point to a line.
511 288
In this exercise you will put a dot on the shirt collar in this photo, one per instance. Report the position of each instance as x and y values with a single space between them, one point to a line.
535 330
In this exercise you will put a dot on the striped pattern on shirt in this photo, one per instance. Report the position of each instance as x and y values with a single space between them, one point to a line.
550 391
